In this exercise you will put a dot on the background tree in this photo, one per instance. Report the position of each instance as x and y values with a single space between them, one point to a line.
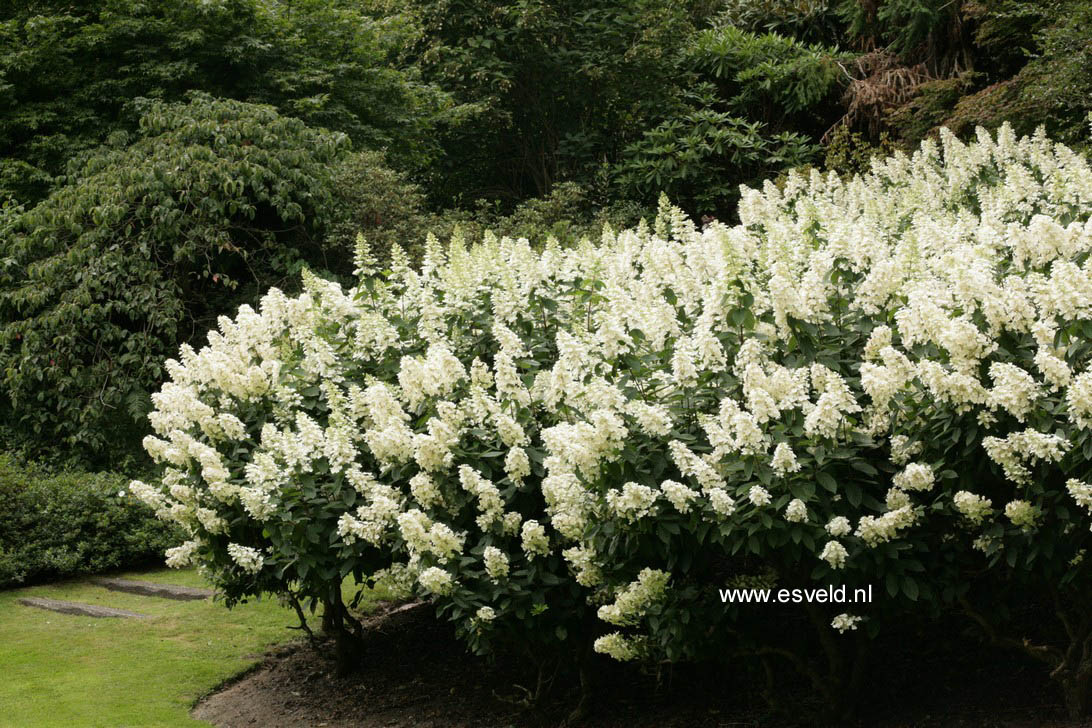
144 246
69 74
558 87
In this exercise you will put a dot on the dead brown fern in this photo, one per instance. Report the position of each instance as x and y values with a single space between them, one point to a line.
878 83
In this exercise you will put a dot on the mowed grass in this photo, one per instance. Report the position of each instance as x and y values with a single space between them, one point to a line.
65 670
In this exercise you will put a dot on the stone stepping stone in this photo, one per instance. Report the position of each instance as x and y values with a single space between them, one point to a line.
152 589
83 610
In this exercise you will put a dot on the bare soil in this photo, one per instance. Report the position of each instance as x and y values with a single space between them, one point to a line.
415 675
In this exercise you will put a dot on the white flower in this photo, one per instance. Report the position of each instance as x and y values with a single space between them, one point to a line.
617 646
973 507
1079 399
257 503
248 559
490 503
876 530
510 431
721 502
896 498
1013 390
845 622
653 419
632 502
758 496
631 603
839 526
436 580
1013 451
915 476
1054 369
496 563
443 542
511 523
902 449
486 614
834 554
182 556
683 368
796 511
1022 513
424 490
534 539
517 465
678 495
583 563
784 460
1081 493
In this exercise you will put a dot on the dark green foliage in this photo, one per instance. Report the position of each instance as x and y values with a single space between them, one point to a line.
69 73
568 213
1039 72
378 202
700 159
990 61
850 153
758 105
384 206
557 87
771 77
930 107
812 21
54 525
931 31
565 91
141 250
1056 86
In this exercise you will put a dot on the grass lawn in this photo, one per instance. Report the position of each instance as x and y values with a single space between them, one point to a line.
65 670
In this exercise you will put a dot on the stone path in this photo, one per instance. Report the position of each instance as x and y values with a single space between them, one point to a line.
83 610
144 588
152 589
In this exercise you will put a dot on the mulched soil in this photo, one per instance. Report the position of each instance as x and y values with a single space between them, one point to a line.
415 675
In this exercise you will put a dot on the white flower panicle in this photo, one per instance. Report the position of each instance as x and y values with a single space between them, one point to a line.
846 622
759 496
534 539
1022 513
796 511
834 554
974 508
182 556
839 526
246 558
679 495
632 502
874 530
496 563
915 476
436 580
617 646
631 603
1081 493
784 460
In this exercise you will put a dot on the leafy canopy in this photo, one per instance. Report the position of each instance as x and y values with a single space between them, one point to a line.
143 247
69 74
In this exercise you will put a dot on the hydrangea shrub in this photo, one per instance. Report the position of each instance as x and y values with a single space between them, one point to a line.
876 381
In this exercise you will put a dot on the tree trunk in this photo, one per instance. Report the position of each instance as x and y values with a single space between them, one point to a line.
336 622
1075 688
